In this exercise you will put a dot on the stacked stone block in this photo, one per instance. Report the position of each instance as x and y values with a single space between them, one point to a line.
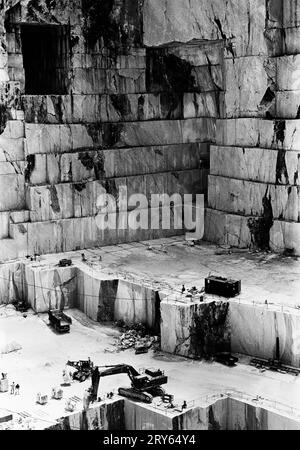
115 127
253 184
142 110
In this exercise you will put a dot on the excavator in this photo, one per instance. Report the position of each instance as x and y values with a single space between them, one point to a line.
143 386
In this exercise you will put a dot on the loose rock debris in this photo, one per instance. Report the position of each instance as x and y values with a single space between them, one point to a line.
137 337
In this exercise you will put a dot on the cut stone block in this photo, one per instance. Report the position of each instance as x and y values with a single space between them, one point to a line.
4 221
288 104
250 132
187 328
89 81
254 199
158 132
202 105
19 216
233 229
11 149
247 80
182 21
288 73
53 288
14 130
137 304
291 40
291 13
14 197
64 201
125 81
11 250
256 164
254 330
103 164
12 168
79 233
56 138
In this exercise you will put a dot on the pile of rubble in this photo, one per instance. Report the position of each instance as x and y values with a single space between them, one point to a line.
137 337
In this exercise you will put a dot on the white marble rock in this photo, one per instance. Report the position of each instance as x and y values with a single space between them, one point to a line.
251 198
254 164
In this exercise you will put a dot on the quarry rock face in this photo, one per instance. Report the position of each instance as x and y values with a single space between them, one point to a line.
101 116
195 330
226 412
142 95
107 416
200 330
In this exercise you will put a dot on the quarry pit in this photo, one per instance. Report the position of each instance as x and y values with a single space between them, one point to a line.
218 397
147 146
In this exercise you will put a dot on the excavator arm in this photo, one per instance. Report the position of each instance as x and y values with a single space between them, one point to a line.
110 370
139 382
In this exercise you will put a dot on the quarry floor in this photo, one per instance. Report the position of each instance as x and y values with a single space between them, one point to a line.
38 366
169 263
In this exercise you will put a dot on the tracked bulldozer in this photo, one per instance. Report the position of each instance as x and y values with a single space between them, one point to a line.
144 386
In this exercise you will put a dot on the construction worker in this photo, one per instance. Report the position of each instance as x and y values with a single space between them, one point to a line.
12 388
17 390
183 289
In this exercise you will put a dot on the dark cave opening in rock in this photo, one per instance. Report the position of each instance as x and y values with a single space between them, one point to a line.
46 58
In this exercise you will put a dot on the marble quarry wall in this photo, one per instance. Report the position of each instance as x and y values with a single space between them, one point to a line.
106 416
198 330
254 332
253 192
143 95
195 330
106 117
232 413
102 297
107 299
225 412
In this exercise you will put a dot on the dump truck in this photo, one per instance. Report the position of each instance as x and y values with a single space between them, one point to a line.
59 321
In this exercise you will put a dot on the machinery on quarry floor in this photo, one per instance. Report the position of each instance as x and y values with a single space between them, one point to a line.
21 306
83 368
144 386
59 321
274 364
222 287
226 358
